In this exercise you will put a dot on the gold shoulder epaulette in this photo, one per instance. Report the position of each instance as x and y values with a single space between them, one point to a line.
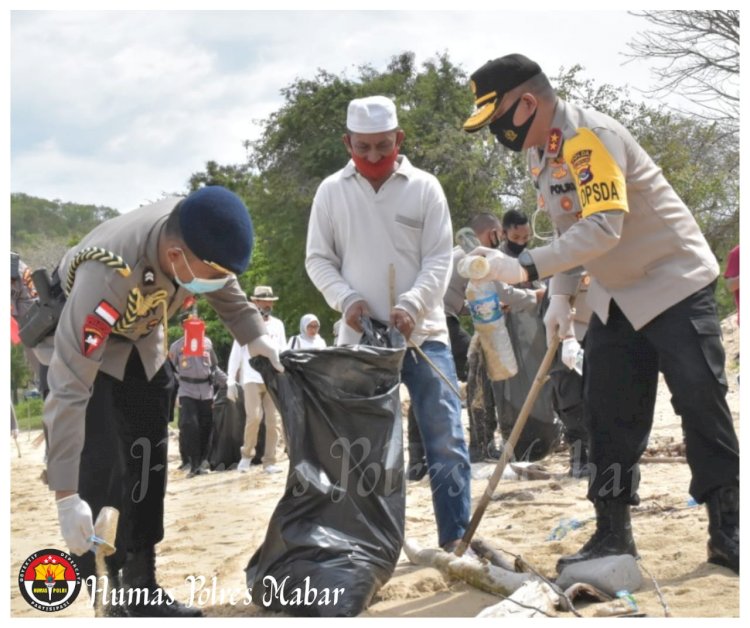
97 254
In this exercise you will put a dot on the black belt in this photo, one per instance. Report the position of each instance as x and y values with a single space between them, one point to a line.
194 380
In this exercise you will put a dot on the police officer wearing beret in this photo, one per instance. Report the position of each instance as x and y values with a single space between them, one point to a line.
110 381
651 292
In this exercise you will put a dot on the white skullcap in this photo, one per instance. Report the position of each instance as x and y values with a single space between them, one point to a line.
374 114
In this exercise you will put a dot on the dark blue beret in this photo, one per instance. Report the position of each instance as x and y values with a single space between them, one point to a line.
216 227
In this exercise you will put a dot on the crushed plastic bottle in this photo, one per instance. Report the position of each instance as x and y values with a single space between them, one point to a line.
628 599
561 529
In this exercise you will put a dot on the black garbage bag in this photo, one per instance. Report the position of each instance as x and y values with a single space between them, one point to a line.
227 430
543 430
336 534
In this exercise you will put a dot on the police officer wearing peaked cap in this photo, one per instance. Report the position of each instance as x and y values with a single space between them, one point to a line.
110 381
651 292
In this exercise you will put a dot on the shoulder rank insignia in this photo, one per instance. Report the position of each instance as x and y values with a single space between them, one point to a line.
554 143
149 276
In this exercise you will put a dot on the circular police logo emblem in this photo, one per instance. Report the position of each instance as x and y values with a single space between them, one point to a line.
49 580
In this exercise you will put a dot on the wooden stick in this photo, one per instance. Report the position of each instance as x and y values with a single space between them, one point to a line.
435 368
510 445
662 601
661 459
392 293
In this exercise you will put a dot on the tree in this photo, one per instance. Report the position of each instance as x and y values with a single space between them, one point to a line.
301 144
700 51
42 230
20 374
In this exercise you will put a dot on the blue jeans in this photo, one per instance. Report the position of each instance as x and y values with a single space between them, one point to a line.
438 412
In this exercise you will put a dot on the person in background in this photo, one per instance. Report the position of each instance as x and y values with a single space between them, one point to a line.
732 277
197 376
259 405
309 336
486 400
23 295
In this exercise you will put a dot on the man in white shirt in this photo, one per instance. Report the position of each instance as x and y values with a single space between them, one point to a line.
380 212
258 403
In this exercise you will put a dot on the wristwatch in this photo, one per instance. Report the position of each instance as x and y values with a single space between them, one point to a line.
527 263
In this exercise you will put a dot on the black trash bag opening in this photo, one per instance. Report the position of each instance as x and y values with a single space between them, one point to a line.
377 334
336 534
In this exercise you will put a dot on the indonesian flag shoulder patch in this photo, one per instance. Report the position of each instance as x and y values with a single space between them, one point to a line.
106 312
95 332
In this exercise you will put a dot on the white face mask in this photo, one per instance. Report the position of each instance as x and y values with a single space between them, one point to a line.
198 285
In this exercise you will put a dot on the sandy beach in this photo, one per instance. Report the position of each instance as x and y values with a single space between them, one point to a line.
215 522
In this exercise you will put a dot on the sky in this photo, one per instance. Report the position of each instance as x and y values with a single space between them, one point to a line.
117 108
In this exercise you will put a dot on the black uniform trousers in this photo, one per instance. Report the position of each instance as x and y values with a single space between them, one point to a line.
567 401
196 418
124 458
620 379
460 340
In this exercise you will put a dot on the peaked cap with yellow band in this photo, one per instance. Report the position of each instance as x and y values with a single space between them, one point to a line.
492 81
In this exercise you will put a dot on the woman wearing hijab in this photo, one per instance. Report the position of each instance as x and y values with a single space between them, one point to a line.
308 337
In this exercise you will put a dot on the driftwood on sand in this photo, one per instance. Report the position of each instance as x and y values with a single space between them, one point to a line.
486 577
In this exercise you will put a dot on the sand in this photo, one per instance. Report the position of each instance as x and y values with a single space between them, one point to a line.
215 522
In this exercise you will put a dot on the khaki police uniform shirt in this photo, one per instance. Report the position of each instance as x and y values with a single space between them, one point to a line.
107 314
616 216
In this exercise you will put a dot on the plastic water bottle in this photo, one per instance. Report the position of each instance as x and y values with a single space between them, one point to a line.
489 322
473 267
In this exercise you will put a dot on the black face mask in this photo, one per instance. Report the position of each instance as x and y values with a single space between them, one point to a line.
265 311
507 133
494 240
515 248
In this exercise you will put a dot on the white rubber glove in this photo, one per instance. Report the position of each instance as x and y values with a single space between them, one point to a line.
232 391
559 318
570 350
502 267
263 345
76 523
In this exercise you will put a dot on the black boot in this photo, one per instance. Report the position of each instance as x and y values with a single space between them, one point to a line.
104 590
613 535
144 596
723 507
